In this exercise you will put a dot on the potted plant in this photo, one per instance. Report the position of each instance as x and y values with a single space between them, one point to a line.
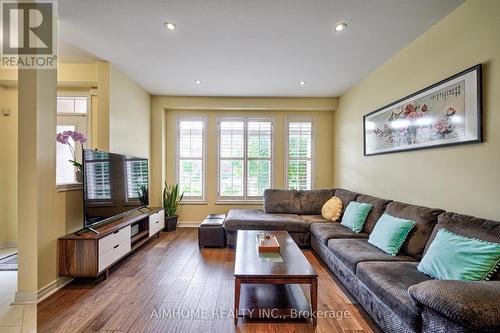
143 194
171 199
63 138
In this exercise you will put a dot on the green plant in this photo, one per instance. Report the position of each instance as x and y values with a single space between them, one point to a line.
171 199
143 194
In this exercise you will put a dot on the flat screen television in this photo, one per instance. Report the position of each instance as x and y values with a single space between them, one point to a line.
113 185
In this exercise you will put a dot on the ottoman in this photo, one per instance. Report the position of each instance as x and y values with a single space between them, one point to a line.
211 231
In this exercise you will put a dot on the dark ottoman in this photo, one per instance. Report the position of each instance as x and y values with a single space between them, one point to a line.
211 231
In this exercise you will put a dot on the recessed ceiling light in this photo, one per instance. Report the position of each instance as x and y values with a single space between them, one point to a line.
197 81
302 83
170 26
340 27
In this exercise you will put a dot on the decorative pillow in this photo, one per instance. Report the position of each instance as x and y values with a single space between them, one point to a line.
355 215
390 233
455 257
332 209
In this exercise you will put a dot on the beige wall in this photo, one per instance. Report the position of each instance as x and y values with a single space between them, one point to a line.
119 99
121 108
462 178
8 166
129 116
166 110
120 123
69 76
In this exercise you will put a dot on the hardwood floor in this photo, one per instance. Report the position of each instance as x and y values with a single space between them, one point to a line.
145 292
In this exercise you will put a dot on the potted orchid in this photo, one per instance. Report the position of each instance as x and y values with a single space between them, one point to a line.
63 138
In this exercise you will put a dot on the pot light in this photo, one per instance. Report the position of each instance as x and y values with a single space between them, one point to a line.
340 27
170 26
197 81
302 83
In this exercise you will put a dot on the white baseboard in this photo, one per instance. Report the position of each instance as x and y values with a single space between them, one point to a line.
8 243
23 297
188 224
43 293
11 243
52 287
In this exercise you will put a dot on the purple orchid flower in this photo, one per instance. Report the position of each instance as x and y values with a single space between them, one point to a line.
64 137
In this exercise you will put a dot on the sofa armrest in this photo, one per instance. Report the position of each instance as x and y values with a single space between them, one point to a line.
475 305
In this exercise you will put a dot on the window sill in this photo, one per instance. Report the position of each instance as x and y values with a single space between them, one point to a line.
239 202
69 187
193 203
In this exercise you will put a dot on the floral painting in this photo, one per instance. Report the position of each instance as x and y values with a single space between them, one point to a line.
445 113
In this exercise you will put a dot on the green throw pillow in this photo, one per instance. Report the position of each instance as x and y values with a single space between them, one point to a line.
355 215
390 233
454 257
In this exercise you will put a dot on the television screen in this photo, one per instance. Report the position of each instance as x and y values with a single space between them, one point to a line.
114 184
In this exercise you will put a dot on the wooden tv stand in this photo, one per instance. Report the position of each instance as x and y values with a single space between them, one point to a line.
88 254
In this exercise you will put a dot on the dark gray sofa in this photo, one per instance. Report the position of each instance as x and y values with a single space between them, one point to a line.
390 288
293 211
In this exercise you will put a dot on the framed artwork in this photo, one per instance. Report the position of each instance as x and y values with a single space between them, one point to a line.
446 113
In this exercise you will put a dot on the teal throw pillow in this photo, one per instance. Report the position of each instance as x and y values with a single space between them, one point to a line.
455 257
390 233
355 215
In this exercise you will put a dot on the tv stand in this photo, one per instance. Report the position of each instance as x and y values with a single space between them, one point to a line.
93 252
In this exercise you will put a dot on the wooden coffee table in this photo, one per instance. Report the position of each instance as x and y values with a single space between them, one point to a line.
272 281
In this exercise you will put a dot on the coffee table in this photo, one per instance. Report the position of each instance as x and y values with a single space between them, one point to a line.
273 280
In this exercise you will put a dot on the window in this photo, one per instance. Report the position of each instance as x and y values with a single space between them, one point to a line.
191 137
245 158
72 115
299 153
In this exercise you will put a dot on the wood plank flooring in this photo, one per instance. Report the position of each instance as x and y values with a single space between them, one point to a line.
169 285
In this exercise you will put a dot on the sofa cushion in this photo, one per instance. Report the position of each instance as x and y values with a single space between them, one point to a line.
281 201
345 196
353 251
468 226
473 305
425 220
390 283
314 219
332 209
379 206
256 219
326 231
355 215
455 257
312 201
390 233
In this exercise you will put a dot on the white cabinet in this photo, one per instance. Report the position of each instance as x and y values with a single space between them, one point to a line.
156 222
113 247
109 241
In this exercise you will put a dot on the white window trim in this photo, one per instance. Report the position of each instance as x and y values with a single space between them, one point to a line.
88 115
242 200
193 200
63 187
298 119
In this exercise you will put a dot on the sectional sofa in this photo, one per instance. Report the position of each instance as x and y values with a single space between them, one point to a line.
390 288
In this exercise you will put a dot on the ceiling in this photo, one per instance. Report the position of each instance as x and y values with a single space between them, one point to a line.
244 47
